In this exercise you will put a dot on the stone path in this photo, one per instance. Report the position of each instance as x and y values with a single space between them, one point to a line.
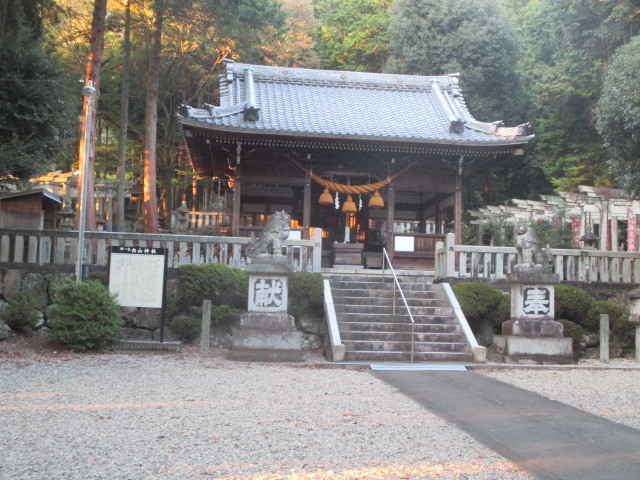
546 438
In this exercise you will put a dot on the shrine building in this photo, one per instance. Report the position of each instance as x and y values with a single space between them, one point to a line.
375 160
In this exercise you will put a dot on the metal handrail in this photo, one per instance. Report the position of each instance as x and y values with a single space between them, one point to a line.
397 284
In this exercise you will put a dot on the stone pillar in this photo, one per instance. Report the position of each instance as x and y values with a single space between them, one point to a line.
267 332
532 336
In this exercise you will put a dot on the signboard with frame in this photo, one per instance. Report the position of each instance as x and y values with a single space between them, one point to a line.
138 275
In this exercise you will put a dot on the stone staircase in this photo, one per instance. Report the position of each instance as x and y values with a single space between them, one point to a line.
371 331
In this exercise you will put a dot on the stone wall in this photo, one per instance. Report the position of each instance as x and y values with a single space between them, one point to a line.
139 323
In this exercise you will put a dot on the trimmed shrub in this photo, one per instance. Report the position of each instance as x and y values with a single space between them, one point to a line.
223 316
186 327
481 303
21 315
572 303
619 326
219 283
306 295
84 316
575 331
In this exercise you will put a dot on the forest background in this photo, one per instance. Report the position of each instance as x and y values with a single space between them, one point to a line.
571 68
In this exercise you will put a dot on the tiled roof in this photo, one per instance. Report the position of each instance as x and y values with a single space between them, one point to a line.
351 105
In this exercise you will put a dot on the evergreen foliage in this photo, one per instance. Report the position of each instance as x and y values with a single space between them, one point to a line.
84 316
621 329
186 327
618 115
472 37
37 108
353 34
575 331
481 302
214 281
21 315
224 316
306 294
572 303
565 47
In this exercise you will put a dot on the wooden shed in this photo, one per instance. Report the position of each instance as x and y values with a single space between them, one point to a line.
29 210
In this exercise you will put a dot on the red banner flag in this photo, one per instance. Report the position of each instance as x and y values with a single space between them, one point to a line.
632 236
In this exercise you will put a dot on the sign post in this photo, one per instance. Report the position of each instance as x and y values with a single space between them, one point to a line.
138 276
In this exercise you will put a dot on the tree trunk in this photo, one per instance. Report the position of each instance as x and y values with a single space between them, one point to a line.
124 119
94 69
150 199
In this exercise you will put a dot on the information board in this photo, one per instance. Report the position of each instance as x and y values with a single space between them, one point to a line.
137 275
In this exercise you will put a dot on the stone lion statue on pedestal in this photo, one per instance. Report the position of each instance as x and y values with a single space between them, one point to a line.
275 232
530 253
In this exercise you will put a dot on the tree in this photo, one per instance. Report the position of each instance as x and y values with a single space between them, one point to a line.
353 34
124 116
565 47
86 153
149 188
472 37
618 115
37 107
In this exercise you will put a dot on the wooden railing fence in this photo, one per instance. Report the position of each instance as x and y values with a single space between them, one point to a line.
61 247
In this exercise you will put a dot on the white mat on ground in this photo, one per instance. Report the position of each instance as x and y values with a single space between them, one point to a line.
450 368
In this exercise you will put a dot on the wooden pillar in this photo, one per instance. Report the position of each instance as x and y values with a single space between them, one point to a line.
614 234
438 217
194 195
306 207
391 215
457 210
237 194
604 224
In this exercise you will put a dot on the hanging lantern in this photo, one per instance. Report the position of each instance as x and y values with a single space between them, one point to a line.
349 205
376 200
326 198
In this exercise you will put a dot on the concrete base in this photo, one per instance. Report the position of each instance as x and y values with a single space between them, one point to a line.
266 337
531 351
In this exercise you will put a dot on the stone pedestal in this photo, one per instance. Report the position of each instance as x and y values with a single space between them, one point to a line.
267 332
532 336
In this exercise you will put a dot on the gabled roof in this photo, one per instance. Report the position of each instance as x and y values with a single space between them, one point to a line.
307 103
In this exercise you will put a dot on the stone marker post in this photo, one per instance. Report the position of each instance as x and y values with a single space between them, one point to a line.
531 336
604 337
205 331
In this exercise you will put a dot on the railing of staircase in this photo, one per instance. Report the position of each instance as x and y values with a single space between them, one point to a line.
387 261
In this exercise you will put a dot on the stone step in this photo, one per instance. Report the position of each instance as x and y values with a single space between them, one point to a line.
389 310
399 317
382 294
363 285
399 356
358 302
405 336
346 327
397 346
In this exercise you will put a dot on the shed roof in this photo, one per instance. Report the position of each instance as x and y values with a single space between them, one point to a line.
297 102
42 192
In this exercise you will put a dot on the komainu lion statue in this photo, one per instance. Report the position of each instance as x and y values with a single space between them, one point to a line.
530 253
275 232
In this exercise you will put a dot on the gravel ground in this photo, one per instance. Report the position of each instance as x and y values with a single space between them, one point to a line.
185 416
118 416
